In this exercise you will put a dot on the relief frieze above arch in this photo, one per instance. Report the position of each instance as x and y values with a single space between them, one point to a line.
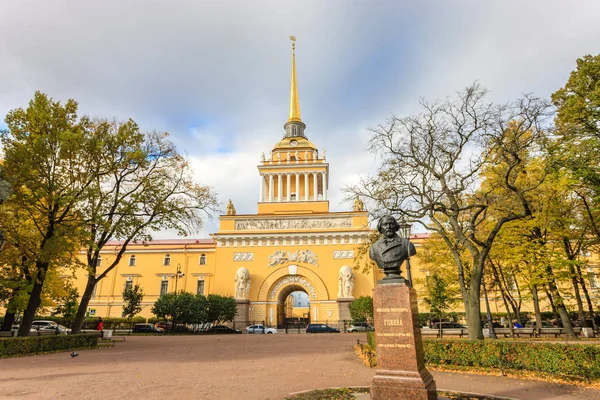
303 256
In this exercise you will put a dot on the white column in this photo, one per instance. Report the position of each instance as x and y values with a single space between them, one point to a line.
315 187
324 185
270 187
306 186
297 186
289 186
262 188
279 180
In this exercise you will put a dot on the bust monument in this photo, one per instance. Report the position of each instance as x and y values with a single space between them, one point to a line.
391 250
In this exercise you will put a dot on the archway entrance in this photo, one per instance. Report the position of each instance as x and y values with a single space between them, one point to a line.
293 307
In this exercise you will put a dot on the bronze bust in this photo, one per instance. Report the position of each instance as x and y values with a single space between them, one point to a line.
391 250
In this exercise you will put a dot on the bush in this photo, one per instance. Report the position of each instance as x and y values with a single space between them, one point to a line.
572 360
11 347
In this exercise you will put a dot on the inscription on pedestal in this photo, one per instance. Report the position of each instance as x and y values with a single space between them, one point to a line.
401 372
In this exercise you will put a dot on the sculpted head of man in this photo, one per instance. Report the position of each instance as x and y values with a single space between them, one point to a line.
388 226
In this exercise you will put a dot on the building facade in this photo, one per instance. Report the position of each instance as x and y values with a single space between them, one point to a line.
293 244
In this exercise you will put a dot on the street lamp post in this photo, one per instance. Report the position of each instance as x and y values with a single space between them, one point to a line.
178 275
404 232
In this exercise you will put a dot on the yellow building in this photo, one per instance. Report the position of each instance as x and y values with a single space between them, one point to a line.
292 244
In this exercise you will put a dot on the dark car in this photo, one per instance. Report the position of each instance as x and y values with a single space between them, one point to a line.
447 325
146 328
221 329
320 328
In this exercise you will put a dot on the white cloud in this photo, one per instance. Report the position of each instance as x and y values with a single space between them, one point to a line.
216 73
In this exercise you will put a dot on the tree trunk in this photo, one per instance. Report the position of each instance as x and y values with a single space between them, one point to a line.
560 305
83 305
580 310
536 306
588 299
551 301
35 299
9 320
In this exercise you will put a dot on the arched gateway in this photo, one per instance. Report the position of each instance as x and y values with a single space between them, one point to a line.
285 280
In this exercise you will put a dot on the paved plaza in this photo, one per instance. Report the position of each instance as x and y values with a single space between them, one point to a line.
247 367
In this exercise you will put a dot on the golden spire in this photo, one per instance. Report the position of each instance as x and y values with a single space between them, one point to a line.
294 103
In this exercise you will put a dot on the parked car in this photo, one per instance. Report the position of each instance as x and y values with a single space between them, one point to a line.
164 325
360 327
38 324
447 325
321 328
260 328
57 329
222 329
146 328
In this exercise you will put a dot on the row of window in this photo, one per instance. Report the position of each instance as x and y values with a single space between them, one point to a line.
166 260
164 287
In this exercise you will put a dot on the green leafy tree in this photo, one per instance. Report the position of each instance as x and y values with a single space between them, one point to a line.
68 304
50 165
578 129
361 309
220 308
151 187
132 301
440 297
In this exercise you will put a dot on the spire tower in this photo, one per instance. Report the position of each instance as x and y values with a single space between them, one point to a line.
294 127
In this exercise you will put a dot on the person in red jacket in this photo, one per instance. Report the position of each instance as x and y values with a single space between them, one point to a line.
99 326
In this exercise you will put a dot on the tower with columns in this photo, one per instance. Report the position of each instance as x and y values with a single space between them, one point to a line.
295 176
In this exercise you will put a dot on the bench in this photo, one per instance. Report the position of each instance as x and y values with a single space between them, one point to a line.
460 332
6 334
550 331
506 332
430 332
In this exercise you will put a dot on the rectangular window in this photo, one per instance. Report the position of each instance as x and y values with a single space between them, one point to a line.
94 291
167 260
593 278
99 261
132 261
128 284
200 287
164 287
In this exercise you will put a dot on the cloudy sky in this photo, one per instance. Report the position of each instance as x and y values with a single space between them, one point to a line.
215 74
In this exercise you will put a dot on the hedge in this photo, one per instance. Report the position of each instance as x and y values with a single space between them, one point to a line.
10 347
566 360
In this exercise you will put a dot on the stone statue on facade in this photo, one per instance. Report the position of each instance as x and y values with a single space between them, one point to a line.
262 156
391 250
358 204
230 208
345 282
242 283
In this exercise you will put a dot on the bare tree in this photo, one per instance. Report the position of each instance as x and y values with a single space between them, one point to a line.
432 171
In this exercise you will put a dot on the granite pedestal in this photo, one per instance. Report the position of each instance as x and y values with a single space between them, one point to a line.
401 372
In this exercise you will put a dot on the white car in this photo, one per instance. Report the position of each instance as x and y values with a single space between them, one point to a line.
259 328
